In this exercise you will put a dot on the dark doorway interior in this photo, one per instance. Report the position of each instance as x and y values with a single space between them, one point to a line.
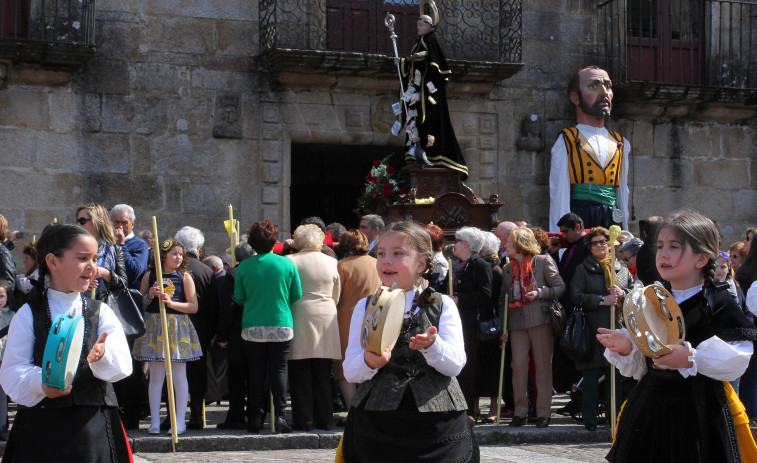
328 179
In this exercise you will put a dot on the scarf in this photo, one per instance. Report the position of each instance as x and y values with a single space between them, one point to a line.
607 269
523 281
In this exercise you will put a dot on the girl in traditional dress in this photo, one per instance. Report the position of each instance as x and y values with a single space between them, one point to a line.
180 299
408 405
683 409
80 423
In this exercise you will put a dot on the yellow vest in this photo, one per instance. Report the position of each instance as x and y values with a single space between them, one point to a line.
583 163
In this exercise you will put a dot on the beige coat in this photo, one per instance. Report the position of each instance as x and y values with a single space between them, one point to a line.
316 330
550 287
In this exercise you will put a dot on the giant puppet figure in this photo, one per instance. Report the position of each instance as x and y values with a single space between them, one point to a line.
431 139
589 173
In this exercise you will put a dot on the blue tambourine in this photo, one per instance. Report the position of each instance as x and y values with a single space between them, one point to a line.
62 351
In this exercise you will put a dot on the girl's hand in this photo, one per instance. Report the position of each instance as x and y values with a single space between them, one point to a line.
423 340
98 350
154 291
93 281
679 358
54 392
614 341
505 337
166 300
531 296
377 361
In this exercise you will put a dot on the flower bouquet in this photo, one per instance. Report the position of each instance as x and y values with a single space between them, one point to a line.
381 183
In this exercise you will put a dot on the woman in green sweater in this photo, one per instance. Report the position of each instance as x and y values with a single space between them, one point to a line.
267 286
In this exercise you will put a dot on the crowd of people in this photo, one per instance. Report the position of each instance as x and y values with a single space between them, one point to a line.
281 318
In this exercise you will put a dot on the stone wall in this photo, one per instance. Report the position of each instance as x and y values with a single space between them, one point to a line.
174 116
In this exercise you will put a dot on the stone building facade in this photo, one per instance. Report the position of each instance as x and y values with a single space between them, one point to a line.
178 114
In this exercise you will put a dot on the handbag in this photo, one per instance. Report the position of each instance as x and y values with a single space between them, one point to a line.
576 338
490 329
124 305
556 318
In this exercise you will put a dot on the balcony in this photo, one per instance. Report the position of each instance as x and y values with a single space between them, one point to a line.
53 34
695 51
331 38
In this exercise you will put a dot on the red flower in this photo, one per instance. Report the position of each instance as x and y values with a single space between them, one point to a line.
403 191
374 180
387 193
388 186
369 177
376 163
389 169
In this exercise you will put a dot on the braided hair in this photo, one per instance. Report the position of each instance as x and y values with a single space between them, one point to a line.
695 230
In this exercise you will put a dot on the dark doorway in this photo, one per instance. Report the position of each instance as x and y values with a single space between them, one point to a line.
328 179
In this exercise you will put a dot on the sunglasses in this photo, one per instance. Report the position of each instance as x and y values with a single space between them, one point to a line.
83 220
724 255
598 243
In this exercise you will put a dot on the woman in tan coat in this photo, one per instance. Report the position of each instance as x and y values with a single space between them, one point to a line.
359 279
532 281
316 332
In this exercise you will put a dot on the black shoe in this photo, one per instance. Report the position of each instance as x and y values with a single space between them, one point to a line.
4 434
517 422
232 425
281 425
590 427
254 426
195 424
542 422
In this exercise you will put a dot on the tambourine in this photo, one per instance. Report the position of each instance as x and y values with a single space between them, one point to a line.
384 314
62 351
653 319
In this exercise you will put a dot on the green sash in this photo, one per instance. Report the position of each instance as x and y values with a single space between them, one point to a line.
602 194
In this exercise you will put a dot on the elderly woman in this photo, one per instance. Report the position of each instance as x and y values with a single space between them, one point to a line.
598 287
359 278
531 281
7 265
488 357
111 270
440 262
627 253
472 290
316 331
267 286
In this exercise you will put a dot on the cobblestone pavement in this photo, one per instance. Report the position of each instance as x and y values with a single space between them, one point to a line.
584 453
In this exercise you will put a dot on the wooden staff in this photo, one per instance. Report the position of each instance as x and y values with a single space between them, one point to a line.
166 341
614 234
502 358
451 275
232 230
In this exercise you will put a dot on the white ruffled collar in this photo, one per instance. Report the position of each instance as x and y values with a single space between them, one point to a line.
681 295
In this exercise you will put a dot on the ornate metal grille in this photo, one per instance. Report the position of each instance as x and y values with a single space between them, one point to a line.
690 42
480 30
51 21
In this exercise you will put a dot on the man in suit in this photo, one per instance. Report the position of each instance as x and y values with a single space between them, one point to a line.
503 232
229 337
204 320
371 225
217 364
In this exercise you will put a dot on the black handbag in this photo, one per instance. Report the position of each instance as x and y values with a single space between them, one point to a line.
123 302
576 338
556 318
490 329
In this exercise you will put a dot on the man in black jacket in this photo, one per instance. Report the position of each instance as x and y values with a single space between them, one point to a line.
646 258
204 320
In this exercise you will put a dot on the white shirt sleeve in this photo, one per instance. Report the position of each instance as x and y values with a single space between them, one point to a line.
355 368
559 184
720 360
447 354
116 363
623 191
751 298
632 365
19 377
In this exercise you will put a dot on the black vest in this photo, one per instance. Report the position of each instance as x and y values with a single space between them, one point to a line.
86 389
432 391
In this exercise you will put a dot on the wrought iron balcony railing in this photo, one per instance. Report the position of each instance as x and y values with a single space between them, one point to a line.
54 33
704 43
474 30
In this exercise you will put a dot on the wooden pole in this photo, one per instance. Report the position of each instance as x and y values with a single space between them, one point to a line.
614 233
166 341
450 276
502 360
232 234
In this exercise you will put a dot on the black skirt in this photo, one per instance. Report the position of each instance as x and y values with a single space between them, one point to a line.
671 419
80 434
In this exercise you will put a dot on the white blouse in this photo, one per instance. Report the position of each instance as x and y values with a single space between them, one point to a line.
713 357
446 354
22 380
